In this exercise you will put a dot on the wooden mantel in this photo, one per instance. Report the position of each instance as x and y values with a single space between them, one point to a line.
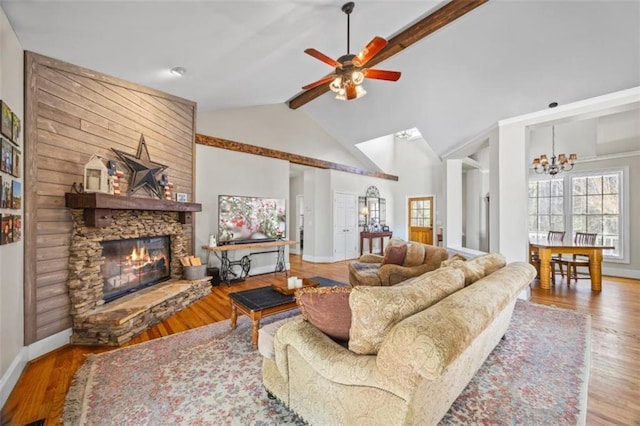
97 207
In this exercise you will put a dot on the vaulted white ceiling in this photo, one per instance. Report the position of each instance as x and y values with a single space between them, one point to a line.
505 58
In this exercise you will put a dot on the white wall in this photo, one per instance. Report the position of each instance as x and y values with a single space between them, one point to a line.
296 190
11 256
224 172
420 175
276 127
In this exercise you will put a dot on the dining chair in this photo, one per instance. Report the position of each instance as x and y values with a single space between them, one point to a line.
575 261
534 258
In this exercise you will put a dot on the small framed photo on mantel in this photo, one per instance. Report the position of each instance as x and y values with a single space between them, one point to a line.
181 197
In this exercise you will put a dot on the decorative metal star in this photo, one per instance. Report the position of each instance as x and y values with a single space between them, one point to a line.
143 170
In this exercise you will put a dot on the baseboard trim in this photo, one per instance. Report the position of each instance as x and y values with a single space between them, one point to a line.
623 273
11 376
26 354
317 259
48 344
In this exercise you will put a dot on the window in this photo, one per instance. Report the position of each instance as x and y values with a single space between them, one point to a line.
596 205
546 207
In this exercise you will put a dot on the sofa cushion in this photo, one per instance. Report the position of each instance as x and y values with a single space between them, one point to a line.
375 310
491 262
266 336
327 308
395 255
472 271
456 256
415 255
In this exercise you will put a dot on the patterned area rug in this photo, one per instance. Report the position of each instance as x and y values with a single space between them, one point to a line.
211 375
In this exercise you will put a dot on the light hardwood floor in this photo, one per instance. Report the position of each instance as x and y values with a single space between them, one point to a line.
614 387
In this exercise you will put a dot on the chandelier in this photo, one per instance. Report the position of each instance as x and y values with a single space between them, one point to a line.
557 164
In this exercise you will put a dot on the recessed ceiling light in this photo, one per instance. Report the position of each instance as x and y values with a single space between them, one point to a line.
179 71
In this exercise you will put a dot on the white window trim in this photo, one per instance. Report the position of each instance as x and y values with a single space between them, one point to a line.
624 211
624 256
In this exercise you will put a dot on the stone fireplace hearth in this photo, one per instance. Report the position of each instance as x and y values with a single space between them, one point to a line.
98 323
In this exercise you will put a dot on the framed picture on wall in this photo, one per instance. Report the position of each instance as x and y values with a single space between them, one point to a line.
16 163
16 221
17 129
16 195
6 229
6 120
6 156
5 194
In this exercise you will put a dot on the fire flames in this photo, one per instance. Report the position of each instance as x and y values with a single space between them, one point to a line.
142 256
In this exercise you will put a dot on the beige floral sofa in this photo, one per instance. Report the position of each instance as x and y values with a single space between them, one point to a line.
412 347
370 269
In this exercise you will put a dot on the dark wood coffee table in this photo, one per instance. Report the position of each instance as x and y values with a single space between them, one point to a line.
257 304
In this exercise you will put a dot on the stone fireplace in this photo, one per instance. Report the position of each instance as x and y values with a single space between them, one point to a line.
118 319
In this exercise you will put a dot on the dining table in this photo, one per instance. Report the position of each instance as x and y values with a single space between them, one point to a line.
546 248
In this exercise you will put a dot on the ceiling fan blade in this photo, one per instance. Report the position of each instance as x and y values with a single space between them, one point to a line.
351 92
369 51
323 80
322 57
382 74
407 36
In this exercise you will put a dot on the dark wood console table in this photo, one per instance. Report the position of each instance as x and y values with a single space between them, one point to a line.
226 265
371 236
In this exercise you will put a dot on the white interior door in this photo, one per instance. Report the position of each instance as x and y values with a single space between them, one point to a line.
345 226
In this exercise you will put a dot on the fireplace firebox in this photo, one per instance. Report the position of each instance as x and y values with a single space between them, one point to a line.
133 264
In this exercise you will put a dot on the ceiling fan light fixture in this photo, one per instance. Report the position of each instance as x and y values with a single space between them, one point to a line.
342 92
357 77
336 84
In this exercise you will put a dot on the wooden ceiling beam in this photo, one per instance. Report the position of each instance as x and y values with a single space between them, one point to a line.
405 38
281 155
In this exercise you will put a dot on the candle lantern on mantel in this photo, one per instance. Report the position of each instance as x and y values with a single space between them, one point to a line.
96 175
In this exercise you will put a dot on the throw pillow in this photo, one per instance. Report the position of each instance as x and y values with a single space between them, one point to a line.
375 310
395 255
327 308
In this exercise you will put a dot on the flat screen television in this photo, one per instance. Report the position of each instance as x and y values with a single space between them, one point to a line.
250 219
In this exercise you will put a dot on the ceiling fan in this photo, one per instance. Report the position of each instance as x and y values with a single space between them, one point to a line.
350 71
405 37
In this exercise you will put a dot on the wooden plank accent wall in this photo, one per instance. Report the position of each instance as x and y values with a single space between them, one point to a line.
281 155
72 113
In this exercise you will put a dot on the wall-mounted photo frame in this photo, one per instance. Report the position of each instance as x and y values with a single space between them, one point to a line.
6 229
6 156
17 129
16 221
16 195
6 120
16 162
5 194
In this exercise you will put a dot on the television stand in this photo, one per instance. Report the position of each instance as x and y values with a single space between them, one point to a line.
226 265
